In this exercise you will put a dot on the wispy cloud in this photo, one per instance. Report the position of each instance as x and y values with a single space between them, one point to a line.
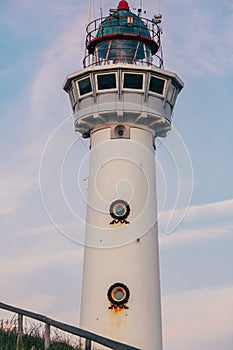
58 60
204 222
45 268
197 36
206 211
196 235
14 189
36 260
45 109
197 318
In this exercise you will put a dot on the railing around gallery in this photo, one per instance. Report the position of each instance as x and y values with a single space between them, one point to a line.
89 337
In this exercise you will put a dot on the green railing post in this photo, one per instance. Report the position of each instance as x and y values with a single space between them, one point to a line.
88 344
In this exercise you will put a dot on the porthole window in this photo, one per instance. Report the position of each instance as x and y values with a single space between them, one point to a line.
106 81
120 131
133 81
156 85
84 86
119 209
118 294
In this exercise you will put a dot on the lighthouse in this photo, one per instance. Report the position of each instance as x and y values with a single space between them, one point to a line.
122 101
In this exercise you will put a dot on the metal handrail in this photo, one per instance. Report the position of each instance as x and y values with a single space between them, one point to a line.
111 344
87 62
152 27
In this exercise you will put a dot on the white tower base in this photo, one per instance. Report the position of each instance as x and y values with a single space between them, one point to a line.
124 253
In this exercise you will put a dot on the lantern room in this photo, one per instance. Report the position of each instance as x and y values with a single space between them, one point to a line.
123 37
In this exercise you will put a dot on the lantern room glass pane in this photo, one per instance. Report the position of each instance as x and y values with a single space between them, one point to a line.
157 85
84 86
106 81
103 51
129 51
133 81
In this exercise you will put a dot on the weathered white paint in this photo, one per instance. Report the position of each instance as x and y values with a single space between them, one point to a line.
122 169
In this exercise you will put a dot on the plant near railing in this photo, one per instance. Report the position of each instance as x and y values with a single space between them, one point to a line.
48 322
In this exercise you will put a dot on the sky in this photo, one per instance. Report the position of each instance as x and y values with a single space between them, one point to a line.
40 268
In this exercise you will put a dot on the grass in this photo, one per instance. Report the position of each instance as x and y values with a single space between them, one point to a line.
32 338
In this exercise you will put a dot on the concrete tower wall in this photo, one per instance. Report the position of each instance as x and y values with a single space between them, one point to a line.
125 253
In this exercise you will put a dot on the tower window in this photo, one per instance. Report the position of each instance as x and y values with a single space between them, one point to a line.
84 86
133 81
118 294
172 92
156 85
106 81
72 98
119 209
120 131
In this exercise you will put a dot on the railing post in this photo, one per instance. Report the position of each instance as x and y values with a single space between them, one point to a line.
48 322
20 332
88 344
47 336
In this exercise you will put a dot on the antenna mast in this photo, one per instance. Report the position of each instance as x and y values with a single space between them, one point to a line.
89 21
101 9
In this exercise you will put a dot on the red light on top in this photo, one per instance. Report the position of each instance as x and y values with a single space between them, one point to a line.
123 5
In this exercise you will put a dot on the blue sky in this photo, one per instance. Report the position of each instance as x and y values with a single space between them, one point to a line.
40 269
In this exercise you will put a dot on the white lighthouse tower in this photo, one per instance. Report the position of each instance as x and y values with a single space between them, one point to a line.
122 100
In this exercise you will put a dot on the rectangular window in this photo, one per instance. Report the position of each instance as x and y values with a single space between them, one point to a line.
84 86
106 81
171 95
156 85
133 81
71 94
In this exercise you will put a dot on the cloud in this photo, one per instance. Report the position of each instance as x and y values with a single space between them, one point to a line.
192 319
37 259
197 36
204 222
59 60
205 211
41 114
192 236
6 210
45 268
211 210
14 188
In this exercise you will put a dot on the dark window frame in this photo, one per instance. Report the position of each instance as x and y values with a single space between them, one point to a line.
72 96
81 95
158 91
172 97
142 89
106 89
